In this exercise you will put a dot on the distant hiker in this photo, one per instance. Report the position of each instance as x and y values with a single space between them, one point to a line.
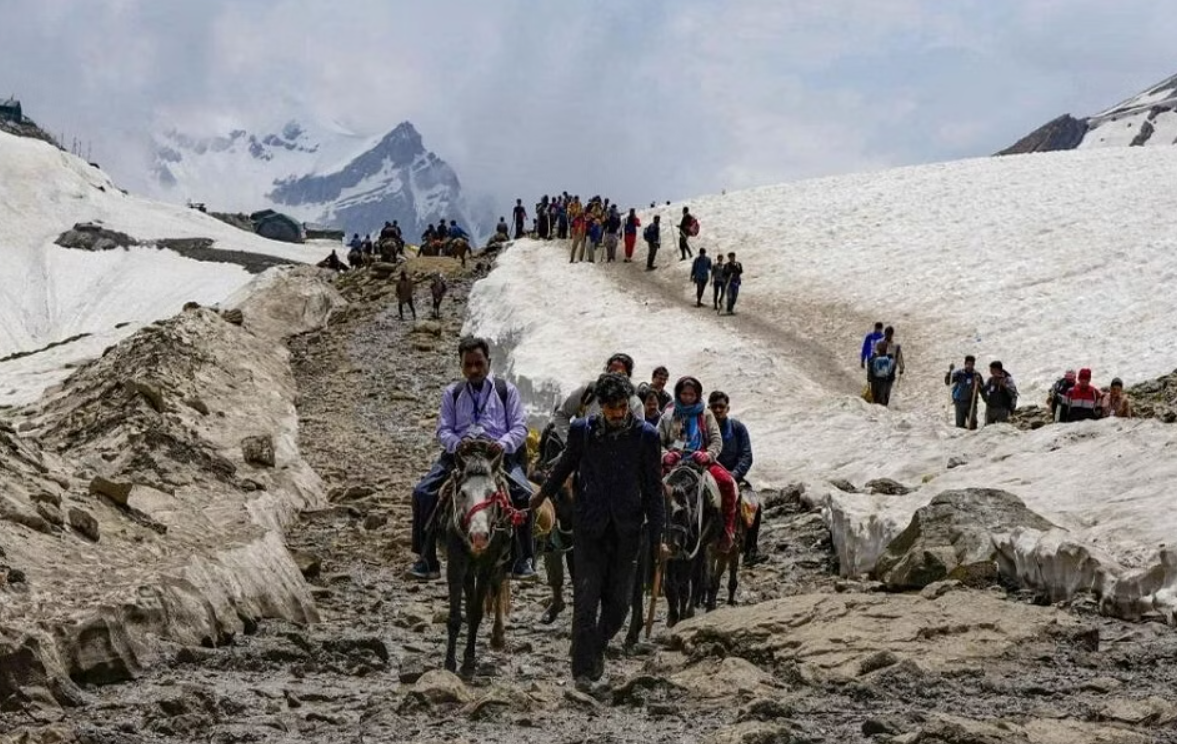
429 234
733 274
884 364
520 216
579 236
437 289
457 232
594 237
1056 399
868 343
355 243
684 231
366 246
388 232
355 257
653 237
501 230
543 222
404 295
1114 402
612 228
559 215
1000 395
717 285
700 275
1083 399
966 387
632 223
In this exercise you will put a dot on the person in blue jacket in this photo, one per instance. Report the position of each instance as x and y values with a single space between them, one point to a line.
457 232
618 494
736 456
701 275
868 344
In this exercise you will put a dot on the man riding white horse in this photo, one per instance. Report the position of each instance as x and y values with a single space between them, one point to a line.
480 406
689 429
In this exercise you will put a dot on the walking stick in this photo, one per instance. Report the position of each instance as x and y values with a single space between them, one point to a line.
654 598
973 405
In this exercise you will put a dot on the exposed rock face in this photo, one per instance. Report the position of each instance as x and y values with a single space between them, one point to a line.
1063 133
187 552
952 538
258 450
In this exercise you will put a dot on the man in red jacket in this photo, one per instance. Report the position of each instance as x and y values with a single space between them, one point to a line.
1082 400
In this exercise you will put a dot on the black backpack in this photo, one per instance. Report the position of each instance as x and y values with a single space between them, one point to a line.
500 388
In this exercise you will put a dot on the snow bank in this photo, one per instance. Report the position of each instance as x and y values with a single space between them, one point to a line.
49 294
1043 261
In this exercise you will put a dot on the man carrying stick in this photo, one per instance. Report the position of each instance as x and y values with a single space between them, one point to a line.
966 383
619 489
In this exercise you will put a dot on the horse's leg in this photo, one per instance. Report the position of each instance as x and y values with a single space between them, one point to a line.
733 579
672 582
716 562
475 597
455 578
554 565
502 605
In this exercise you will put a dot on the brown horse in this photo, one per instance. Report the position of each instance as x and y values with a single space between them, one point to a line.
458 248
480 529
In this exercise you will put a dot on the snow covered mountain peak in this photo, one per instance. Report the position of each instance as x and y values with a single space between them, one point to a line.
318 172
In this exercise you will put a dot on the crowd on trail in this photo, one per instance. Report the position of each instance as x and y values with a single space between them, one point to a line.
602 461
1072 397
599 231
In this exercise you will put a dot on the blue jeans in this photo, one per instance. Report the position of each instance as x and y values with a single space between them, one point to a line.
425 501
733 294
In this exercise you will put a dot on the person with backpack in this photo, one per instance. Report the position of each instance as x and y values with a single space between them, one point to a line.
686 228
700 275
1000 394
612 228
966 386
732 278
594 236
868 343
886 361
630 233
479 406
1056 399
653 237
583 402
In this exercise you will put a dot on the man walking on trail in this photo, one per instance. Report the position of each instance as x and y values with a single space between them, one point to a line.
618 493
732 278
653 237
885 362
1000 395
700 275
684 232
520 215
717 286
579 236
478 406
966 386
868 344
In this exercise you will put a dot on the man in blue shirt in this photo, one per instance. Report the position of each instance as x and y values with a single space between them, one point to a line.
966 384
868 344
618 494
736 456
478 406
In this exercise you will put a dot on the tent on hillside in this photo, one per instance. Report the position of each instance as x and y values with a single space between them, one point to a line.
277 226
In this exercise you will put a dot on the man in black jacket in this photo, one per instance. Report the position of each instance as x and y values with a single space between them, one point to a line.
684 232
618 491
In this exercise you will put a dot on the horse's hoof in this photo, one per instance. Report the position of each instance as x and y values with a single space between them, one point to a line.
451 665
498 643
467 670
732 602
550 614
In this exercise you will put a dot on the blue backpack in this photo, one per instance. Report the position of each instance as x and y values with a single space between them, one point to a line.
882 366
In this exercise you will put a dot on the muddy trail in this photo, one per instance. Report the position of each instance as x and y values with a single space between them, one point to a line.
369 671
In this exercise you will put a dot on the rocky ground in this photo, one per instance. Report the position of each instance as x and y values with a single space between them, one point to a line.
807 657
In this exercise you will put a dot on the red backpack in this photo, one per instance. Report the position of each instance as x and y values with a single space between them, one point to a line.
693 227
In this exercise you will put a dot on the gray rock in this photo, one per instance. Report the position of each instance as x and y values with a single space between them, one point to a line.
84 523
428 328
887 487
258 450
308 563
28 519
844 485
197 405
234 316
375 521
951 538
150 392
439 687
50 514
411 669
114 490
46 497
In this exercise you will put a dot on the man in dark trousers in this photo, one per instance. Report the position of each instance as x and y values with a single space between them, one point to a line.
520 216
733 277
966 386
1000 395
618 492
653 237
736 456
684 232
868 343
701 275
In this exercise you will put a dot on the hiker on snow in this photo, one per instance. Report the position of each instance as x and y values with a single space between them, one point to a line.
966 386
1083 399
1000 395
653 237
886 360
700 275
684 231
717 285
732 278
868 344
1056 399
632 223
1115 402
520 216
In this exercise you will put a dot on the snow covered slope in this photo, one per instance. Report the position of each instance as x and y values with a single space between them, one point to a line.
49 294
1148 118
1045 262
320 172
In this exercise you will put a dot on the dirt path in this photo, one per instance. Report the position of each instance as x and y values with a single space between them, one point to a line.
369 389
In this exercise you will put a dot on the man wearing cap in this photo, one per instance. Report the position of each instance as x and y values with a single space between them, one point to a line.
583 402
1057 397
1083 399
999 393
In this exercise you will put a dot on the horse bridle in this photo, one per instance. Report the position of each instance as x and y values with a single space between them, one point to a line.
508 517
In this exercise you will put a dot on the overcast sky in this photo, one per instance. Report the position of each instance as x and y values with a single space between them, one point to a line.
639 99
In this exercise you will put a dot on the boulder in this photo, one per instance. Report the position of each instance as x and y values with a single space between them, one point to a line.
887 487
46 497
198 405
952 538
759 732
116 491
383 269
234 316
84 523
258 450
308 563
428 328
439 687
151 393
